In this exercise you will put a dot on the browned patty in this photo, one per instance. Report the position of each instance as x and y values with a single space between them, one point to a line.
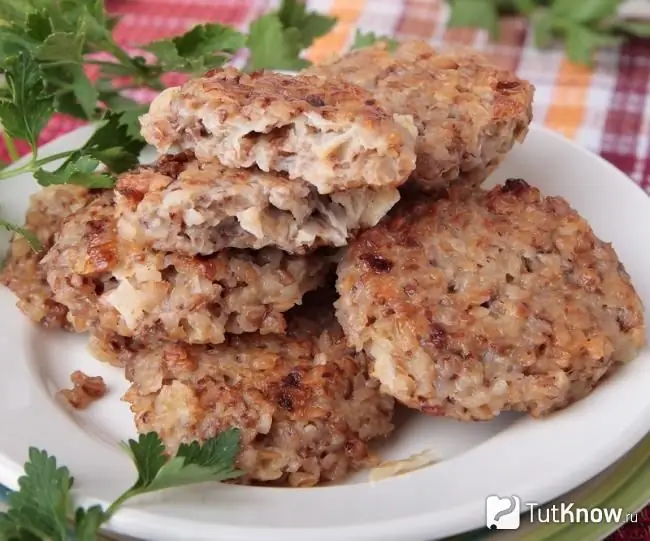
135 292
79 265
331 134
182 205
22 273
468 112
503 300
304 403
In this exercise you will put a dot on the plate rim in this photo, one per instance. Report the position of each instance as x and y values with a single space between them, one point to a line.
128 519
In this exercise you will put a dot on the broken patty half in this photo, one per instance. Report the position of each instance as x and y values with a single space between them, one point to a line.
329 133
22 273
468 112
304 402
103 280
503 300
190 207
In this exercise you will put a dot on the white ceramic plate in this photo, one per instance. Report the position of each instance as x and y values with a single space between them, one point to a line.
536 460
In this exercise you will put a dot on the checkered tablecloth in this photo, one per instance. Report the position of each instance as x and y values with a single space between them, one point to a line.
606 109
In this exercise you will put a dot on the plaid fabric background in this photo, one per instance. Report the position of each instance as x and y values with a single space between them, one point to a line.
606 109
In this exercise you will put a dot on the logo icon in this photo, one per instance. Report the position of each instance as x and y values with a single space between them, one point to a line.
502 513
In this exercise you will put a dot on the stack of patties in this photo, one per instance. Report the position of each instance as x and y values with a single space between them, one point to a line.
208 275
188 272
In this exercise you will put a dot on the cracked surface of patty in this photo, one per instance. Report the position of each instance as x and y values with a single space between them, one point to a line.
135 292
304 403
191 207
500 300
468 112
22 272
331 134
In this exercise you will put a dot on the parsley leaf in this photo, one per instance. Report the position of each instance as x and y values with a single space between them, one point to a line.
62 56
527 7
635 28
13 40
10 531
544 30
193 463
110 145
38 26
30 237
362 40
129 113
87 523
148 457
42 503
272 46
27 108
205 46
113 146
64 47
475 13
12 12
310 25
585 11
40 509
582 42
78 169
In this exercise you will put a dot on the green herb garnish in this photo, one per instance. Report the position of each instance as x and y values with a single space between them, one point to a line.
42 509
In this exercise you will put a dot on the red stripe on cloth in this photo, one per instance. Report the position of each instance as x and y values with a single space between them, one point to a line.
625 114
144 21
507 52
634 531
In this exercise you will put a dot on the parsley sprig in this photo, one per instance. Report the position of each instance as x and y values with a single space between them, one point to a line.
42 509
583 26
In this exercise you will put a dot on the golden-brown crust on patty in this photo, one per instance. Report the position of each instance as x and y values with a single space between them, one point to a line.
79 265
303 402
468 112
329 133
179 204
137 292
22 272
488 301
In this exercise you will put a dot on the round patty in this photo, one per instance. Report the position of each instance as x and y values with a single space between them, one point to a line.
503 300
330 133
469 113
304 402
103 280
22 272
182 205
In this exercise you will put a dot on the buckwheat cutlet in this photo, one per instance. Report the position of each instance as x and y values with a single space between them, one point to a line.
79 265
22 273
190 207
468 112
304 402
500 300
121 287
331 134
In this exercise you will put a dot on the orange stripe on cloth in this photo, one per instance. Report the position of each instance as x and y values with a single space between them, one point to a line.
347 12
569 100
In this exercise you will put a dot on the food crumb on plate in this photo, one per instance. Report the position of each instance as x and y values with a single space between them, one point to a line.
393 468
86 390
